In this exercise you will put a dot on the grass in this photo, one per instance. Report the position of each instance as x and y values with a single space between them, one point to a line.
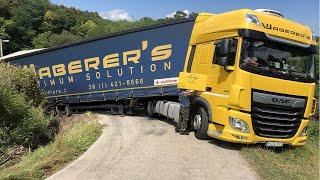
290 163
74 139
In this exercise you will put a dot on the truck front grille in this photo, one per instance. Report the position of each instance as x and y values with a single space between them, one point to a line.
276 119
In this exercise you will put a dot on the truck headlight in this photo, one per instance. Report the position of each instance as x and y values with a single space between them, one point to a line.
252 19
239 124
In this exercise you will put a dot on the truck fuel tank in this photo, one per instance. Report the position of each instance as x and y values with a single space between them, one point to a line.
168 109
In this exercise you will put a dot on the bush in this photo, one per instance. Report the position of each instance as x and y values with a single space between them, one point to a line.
22 121
76 138
19 80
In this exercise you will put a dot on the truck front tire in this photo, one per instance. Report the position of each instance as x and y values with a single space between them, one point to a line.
200 123
150 108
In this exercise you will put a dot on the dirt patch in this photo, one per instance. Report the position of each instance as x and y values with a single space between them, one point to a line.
65 123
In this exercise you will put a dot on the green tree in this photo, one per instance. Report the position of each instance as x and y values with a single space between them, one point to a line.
317 61
3 33
50 22
86 29
38 23
64 38
180 15
4 9
25 20
193 14
42 40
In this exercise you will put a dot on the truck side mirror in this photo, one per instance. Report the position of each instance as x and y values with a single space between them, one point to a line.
223 61
224 47
223 52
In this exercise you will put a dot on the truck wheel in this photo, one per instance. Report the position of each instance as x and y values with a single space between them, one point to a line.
68 111
150 109
200 124
59 111
63 111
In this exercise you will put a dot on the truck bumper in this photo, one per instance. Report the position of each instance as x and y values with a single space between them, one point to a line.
227 133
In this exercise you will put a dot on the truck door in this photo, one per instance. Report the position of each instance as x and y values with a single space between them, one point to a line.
219 77
203 60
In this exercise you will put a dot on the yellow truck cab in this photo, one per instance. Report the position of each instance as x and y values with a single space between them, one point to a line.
259 71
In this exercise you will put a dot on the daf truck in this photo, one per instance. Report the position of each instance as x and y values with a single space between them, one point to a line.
253 71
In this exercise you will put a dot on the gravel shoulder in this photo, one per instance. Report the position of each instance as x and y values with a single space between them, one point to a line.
134 147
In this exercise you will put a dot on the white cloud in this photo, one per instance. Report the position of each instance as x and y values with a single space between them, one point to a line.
116 15
171 15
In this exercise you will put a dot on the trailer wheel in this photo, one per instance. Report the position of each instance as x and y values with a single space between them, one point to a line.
150 109
200 123
58 111
63 110
68 111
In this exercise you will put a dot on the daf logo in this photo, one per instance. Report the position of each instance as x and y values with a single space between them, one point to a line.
280 101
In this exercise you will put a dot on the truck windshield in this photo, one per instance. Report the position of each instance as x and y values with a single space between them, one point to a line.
277 60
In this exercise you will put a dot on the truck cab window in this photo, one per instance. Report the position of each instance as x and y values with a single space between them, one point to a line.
231 55
277 60
193 49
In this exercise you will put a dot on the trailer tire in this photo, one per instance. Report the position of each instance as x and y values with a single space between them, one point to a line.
200 123
63 111
59 112
150 109
68 111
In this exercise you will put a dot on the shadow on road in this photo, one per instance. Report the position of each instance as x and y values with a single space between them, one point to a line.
216 142
226 145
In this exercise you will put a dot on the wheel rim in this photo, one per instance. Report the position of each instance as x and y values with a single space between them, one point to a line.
197 122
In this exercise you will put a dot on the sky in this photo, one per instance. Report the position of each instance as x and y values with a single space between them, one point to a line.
302 11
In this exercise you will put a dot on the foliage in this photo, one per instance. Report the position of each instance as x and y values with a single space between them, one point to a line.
317 61
68 145
180 15
19 80
64 38
42 40
32 24
22 121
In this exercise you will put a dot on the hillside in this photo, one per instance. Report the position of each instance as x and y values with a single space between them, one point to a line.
32 24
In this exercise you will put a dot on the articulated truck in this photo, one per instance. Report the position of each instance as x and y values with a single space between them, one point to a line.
253 71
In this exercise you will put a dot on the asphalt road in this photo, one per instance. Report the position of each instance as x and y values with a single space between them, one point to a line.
143 148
